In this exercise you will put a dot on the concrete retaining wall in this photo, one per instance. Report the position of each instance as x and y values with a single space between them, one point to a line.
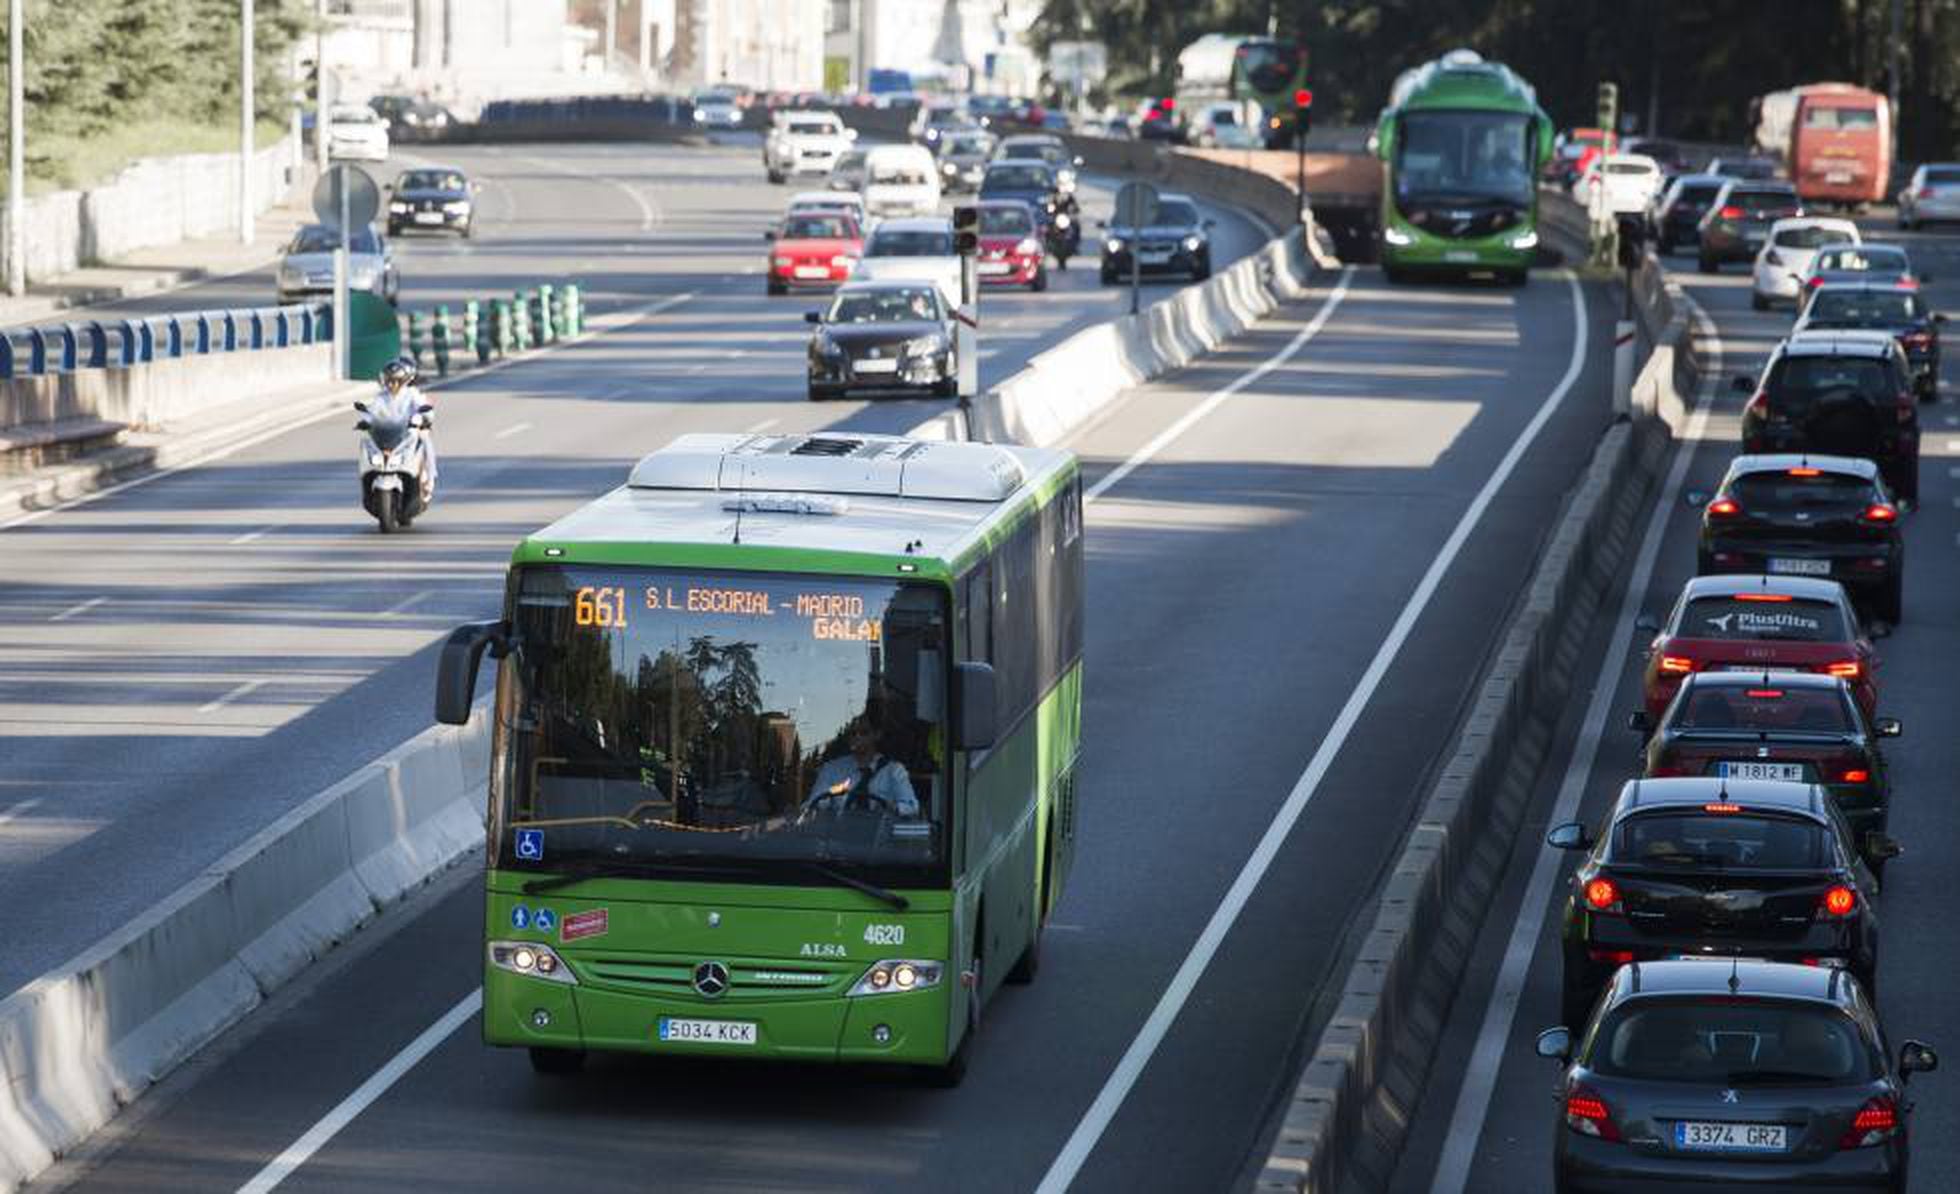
154 201
79 1043
150 395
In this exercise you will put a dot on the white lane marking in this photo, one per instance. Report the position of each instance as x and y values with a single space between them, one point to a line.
1197 413
243 690
28 806
1487 1056
300 1151
1953 445
75 611
513 429
1068 1163
403 606
600 325
763 426
255 536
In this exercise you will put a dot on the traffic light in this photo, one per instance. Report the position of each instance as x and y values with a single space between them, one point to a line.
966 231
1302 112
1609 107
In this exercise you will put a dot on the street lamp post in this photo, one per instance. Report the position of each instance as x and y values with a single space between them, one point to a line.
247 117
16 152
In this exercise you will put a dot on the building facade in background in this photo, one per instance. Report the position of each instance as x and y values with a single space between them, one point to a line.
958 44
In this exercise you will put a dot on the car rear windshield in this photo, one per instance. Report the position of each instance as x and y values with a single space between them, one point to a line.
1698 192
906 243
1802 489
1863 308
1017 178
1862 260
1763 706
1730 841
1005 221
1797 383
1628 168
1943 174
1729 1042
1811 237
1791 620
1761 200
1840 118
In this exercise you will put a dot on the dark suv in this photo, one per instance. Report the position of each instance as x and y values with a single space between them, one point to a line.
1883 307
1794 515
1737 220
1839 394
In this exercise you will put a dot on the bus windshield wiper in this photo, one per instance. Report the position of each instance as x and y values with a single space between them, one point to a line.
871 889
579 872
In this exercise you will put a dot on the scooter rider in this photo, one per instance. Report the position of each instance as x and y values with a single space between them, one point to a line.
400 400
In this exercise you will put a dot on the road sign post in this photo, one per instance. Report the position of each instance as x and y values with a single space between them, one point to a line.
344 198
1136 206
966 319
1302 122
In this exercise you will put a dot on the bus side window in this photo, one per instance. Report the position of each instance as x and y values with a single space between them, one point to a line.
979 613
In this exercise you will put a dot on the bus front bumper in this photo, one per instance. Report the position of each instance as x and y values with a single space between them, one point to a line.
1406 247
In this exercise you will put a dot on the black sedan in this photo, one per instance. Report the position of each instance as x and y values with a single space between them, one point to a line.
1798 515
1034 183
1798 727
883 335
1677 217
432 200
1724 867
1737 220
1699 1075
1176 241
1882 307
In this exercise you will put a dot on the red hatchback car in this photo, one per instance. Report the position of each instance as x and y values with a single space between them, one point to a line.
1761 623
1011 252
812 248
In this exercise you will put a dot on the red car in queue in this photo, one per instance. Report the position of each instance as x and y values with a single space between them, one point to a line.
812 248
1793 727
1760 623
1011 249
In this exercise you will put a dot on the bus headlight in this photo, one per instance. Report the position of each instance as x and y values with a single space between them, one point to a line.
1528 239
897 975
532 960
1395 236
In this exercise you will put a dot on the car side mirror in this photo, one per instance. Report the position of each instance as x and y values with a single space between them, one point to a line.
1879 845
1742 383
813 317
425 409
1570 836
361 406
1888 727
456 667
1647 623
1939 317
1695 499
1555 1044
975 694
1639 722
363 425
1917 1057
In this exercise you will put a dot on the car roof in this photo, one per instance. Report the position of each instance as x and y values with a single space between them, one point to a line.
1715 180
1776 462
1732 976
1771 185
826 198
1836 342
1788 223
1032 139
1734 679
917 224
1693 791
1019 204
1805 588
855 285
1839 285
1883 246
434 168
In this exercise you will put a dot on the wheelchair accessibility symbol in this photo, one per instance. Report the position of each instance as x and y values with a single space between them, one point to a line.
530 845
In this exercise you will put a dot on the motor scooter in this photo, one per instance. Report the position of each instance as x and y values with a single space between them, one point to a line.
398 482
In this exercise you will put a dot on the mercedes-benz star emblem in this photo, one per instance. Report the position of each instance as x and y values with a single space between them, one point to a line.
711 979
1729 1096
874 352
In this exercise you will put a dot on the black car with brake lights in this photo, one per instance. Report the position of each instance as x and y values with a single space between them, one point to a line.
1677 217
1796 727
1732 868
1699 1075
1737 220
436 199
1898 310
1176 241
1801 515
883 335
1843 393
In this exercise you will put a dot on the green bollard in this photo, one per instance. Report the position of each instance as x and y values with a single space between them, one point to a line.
534 316
439 333
548 306
575 308
415 338
500 326
523 335
473 331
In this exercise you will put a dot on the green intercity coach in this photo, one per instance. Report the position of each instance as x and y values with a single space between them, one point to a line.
783 753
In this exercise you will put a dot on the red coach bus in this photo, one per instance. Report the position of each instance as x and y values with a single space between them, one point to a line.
1840 144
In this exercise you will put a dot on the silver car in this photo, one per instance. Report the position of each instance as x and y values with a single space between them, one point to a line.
1932 195
306 271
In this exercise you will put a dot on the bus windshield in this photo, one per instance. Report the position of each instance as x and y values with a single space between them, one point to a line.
1464 158
723 725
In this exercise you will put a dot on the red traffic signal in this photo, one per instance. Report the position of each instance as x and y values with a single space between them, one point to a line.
1303 98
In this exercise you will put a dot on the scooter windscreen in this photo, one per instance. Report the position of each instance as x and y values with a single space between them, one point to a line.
388 434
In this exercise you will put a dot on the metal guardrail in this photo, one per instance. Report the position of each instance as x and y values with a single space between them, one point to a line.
576 109
125 343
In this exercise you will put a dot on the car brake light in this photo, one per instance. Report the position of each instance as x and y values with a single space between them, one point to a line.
1840 901
1806 472
1909 283
1601 894
1724 508
1587 1113
1917 339
1764 694
1925 192
1778 597
1848 669
1854 775
1880 512
1874 1123
1616 957
1731 212
1721 808
1676 665
1814 283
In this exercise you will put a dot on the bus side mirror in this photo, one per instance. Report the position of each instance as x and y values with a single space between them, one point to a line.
456 667
974 699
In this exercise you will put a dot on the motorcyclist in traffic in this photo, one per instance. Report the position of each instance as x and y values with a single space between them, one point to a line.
400 400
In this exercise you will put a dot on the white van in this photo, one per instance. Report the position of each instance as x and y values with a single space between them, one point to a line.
900 180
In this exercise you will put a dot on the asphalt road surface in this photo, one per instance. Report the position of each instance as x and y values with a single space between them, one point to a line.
1488 1118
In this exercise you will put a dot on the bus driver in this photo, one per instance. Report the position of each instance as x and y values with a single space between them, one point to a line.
863 779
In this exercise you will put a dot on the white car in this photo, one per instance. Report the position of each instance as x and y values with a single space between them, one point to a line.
1787 254
804 143
900 180
914 247
356 131
849 203
1632 182
1933 194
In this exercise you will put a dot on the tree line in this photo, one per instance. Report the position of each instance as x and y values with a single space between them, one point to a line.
1685 70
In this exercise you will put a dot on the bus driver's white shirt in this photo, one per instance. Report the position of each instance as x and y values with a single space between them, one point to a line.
888 784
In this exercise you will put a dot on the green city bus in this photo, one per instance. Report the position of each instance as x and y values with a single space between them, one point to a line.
784 751
1461 143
